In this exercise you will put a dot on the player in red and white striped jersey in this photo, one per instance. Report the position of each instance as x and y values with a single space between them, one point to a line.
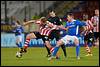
43 33
45 29
88 35
95 21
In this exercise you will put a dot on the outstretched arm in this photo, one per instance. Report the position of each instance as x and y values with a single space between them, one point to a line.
62 27
28 22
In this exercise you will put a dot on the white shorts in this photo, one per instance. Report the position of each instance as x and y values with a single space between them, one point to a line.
66 39
19 38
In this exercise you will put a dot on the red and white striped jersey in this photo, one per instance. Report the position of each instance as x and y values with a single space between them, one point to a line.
46 29
95 21
89 25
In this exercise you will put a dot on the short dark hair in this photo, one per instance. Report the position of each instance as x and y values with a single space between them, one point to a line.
52 11
70 14
18 22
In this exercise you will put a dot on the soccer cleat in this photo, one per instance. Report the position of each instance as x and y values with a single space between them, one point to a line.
57 57
24 50
78 57
89 55
48 55
52 57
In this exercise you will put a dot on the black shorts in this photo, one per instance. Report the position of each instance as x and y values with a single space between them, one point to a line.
96 35
55 34
43 37
89 37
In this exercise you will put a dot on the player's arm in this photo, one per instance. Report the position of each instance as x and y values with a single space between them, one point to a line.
62 27
80 23
28 22
56 26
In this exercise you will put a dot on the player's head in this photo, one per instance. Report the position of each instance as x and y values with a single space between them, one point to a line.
17 23
70 16
85 17
97 12
43 20
52 14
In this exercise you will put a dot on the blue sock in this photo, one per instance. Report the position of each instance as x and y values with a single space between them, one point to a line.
19 44
77 50
55 51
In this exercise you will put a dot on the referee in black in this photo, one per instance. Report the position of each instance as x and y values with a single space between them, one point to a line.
55 33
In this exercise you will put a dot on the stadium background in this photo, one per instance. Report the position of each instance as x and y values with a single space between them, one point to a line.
27 10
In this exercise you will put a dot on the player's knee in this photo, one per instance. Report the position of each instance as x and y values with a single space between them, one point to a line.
28 37
59 43
18 40
76 41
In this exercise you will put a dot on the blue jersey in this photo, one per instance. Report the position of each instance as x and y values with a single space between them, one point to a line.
63 32
73 29
18 30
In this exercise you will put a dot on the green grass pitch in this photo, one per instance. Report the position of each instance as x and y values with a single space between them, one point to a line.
36 56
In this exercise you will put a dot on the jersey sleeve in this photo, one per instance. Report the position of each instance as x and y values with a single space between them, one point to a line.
80 23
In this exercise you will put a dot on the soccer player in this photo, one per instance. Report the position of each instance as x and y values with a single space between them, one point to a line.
73 29
45 29
95 21
43 33
18 33
74 25
65 40
53 18
88 35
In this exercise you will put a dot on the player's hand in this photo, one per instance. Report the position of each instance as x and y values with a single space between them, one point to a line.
50 24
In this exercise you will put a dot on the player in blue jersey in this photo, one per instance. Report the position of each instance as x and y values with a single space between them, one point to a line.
18 33
72 27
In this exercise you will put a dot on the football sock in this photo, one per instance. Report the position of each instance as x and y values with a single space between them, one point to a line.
48 50
88 49
64 49
26 43
55 51
77 50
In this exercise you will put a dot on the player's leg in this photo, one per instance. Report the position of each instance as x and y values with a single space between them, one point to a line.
48 50
48 47
86 39
19 44
28 38
76 42
47 44
64 50
62 46
55 50
19 41
96 38
62 41
57 35
59 43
